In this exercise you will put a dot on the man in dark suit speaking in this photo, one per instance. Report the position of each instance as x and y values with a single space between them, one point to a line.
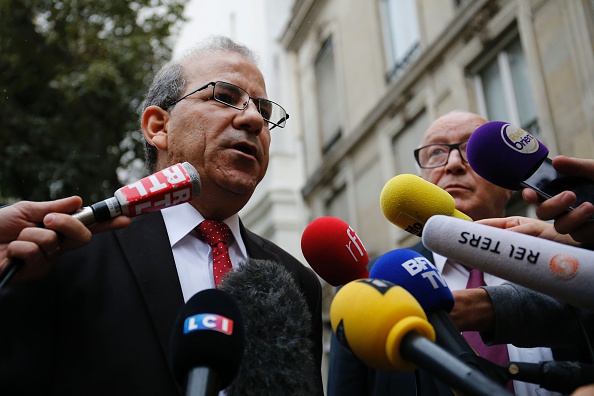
101 322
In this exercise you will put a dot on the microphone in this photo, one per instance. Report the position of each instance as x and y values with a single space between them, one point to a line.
171 186
556 376
279 349
512 158
417 275
558 270
334 251
207 343
408 201
384 326
175 185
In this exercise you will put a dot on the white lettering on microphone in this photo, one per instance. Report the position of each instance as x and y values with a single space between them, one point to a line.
174 174
355 241
420 265
157 185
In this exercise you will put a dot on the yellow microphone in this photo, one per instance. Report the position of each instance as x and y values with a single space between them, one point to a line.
370 317
408 201
385 327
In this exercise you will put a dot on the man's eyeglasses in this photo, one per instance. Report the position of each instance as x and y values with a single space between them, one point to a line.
436 155
238 98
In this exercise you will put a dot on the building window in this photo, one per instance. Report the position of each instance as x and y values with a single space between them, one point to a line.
504 92
327 92
401 34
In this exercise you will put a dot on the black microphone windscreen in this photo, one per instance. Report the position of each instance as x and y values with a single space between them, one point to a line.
208 332
278 356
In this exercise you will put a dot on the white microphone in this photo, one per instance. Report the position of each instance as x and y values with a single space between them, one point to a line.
560 271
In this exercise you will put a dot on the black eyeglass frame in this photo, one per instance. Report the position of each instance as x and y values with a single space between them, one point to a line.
256 101
450 147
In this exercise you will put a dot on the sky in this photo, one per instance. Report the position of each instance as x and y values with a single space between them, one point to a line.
231 18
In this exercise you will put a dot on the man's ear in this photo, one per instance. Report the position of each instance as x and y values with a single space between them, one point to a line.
154 126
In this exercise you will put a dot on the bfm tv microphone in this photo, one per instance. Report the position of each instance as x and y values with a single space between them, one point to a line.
174 185
385 327
207 343
334 251
561 271
409 200
278 358
417 275
512 158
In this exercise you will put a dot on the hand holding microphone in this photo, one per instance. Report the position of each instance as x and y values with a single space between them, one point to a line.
385 327
416 274
171 186
561 271
512 158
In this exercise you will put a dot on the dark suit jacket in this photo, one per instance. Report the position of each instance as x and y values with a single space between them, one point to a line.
101 323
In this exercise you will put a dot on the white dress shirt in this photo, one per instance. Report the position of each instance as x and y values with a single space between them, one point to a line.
193 257
456 277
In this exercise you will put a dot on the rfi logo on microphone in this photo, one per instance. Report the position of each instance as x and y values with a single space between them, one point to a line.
208 321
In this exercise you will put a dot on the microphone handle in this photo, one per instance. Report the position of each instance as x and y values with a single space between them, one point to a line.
447 368
202 381
448 336
556 376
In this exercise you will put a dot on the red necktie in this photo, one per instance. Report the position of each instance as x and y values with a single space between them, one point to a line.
215 233
497 354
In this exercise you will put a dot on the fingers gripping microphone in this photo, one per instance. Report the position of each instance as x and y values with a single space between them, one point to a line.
207 343
175 185
416 274
510 157
408 201
561 271
334 251
171 186
384 326
278 358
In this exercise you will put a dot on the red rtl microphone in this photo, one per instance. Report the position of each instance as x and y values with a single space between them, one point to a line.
334 251
171 186
175 185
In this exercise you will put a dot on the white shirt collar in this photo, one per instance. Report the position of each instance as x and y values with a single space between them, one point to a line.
180 220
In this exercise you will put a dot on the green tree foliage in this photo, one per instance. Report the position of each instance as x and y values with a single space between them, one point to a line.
72 77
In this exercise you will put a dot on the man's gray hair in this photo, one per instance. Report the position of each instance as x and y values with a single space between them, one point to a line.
170 82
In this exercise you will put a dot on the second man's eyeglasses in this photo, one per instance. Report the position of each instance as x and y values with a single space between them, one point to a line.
436 155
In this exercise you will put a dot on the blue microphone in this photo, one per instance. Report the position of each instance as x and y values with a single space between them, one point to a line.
417 275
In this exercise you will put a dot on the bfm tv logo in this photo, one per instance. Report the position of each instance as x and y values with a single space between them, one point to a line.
208 321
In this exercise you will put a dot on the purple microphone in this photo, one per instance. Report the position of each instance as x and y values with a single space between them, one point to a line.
512 158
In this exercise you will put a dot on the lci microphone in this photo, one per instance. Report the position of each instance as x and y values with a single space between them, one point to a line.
171 186
512 158
207 343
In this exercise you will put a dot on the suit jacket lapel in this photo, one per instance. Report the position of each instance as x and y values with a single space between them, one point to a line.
253 245
146 246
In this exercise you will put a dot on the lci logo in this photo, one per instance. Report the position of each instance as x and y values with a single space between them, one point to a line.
518 139
564 266
208 321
